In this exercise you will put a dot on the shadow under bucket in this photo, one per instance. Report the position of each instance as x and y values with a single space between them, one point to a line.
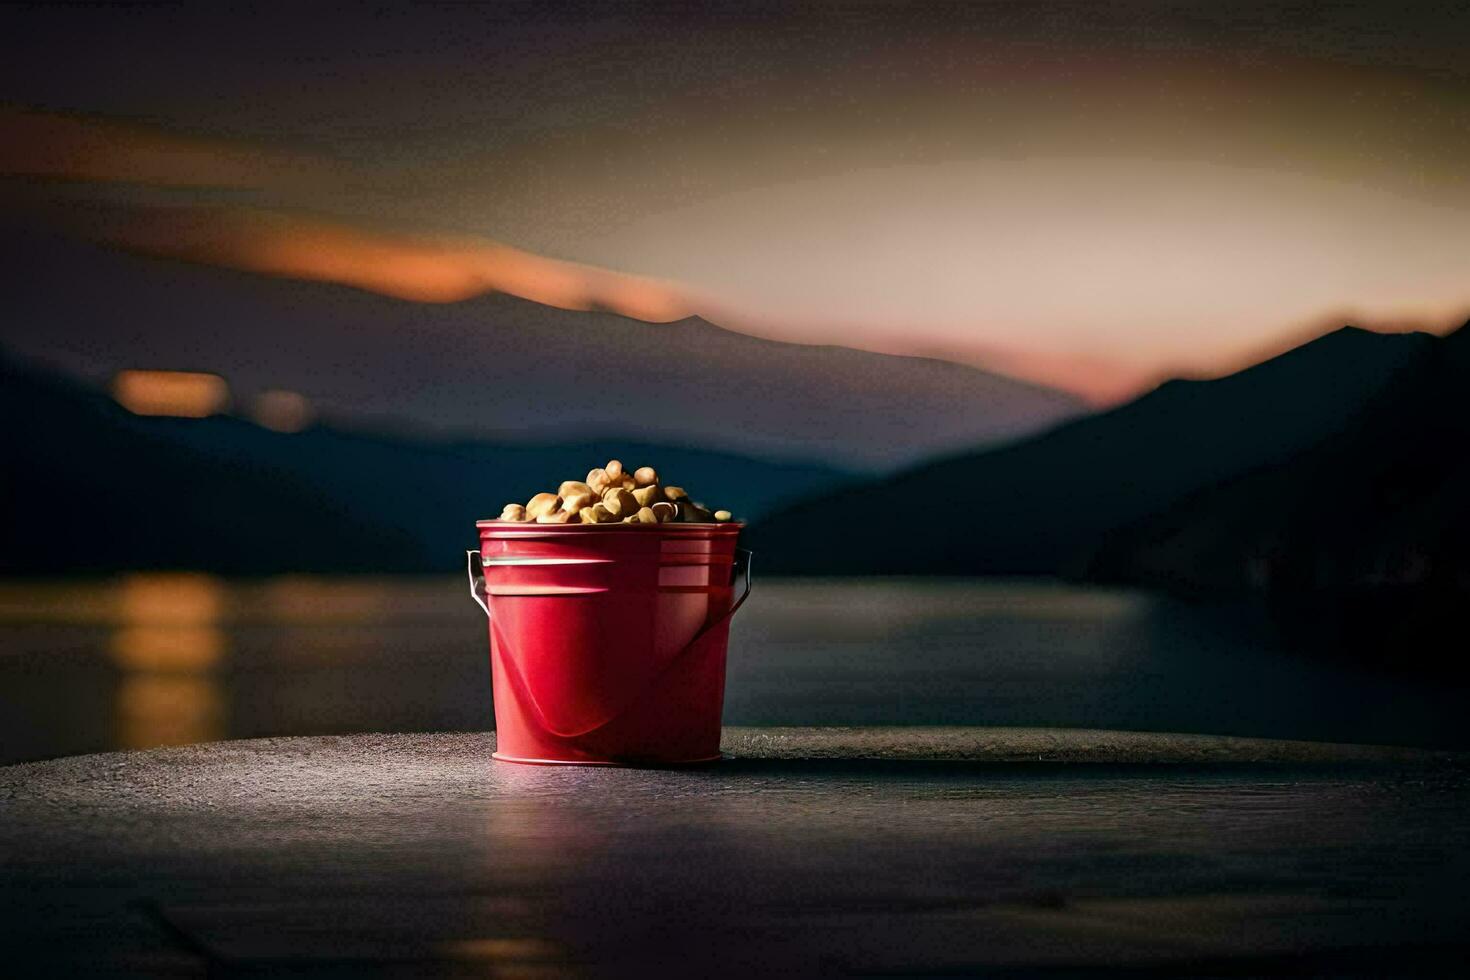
608 643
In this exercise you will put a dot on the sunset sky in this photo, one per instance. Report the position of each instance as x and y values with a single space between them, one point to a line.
1089 195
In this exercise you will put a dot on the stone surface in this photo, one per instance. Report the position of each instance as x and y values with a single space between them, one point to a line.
811 851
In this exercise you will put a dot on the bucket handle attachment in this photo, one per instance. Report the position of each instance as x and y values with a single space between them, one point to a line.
741 565
477 580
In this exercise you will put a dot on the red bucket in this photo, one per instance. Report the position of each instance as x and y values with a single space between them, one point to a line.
607 643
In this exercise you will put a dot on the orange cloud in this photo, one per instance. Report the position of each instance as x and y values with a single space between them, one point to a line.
423 268
428 269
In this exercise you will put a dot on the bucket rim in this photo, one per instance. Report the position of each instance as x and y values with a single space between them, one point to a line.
672 527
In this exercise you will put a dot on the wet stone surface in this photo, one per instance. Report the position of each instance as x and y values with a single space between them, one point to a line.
809 851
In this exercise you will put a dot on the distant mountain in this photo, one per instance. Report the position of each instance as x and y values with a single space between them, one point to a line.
1371 502
502 368
1049 504
89 487
1361 543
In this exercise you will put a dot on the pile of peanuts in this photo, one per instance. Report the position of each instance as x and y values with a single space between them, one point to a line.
611 495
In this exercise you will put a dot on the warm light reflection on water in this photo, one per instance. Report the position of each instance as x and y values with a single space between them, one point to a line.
169 709
167 648
168 643
169 597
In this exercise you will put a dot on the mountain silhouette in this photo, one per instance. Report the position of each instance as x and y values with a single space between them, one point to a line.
90 487
1361 544
1390 473
504 369
1049 504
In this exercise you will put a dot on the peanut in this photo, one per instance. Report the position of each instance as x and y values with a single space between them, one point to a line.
596 514
575 502
570 487
620 503
614 493
542 503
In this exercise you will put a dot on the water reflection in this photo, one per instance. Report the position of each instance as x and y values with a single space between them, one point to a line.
169 597
169 709
164 658
167 648
311 599
168 642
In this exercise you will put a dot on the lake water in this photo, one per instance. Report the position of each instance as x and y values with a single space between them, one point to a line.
159 659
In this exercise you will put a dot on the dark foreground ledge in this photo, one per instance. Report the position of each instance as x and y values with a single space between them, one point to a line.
811 851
